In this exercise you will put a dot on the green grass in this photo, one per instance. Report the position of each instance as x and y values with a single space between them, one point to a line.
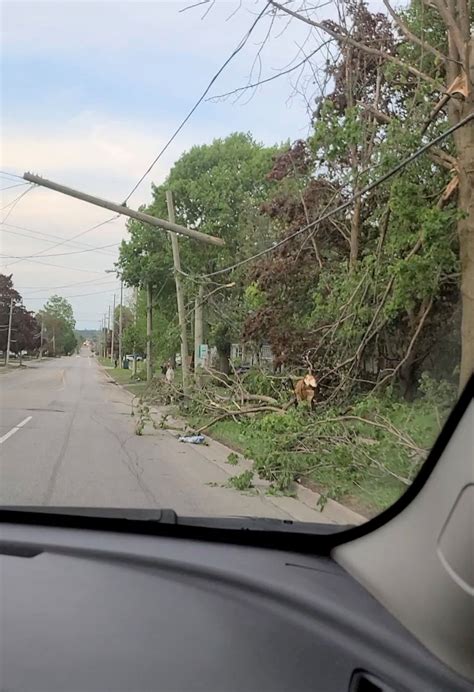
340 470
123 376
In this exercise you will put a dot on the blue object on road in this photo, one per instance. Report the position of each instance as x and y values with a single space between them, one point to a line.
193 439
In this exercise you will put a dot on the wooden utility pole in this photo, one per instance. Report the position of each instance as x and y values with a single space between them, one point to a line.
198 332
149 327
134 371
9 334
112 352
104 334
41 340
108 332
120 321
179 295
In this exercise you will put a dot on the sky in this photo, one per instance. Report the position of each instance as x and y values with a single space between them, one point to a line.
90 92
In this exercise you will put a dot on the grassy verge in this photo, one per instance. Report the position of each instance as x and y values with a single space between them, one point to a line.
364 455
123 376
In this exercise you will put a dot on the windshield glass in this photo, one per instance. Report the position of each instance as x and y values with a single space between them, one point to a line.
232 286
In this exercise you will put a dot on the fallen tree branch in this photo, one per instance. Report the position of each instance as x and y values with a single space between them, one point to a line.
242 412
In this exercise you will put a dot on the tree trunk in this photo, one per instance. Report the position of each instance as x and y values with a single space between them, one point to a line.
149 330
464 139
355 233
223 364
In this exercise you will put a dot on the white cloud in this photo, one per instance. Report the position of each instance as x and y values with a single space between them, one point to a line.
86 145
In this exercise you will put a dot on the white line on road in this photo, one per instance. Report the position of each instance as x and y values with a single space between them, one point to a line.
14 429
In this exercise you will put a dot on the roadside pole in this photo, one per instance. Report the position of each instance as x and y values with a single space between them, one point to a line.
120 321
149 327
134 371
120 354
112 352
104 334
9 335
107 337
198 332
41 340
179 295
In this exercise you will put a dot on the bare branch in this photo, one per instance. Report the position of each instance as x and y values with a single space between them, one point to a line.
196 4
341 36
211 5
410 346
451 25
234 11
411 36
436 154
267 79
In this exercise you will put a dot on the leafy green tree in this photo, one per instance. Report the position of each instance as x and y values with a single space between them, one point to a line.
218 189
25 331
58 322
368 294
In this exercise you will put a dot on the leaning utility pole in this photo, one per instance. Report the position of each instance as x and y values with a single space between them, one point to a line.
179 295
112 353
122 209
149 326
9 335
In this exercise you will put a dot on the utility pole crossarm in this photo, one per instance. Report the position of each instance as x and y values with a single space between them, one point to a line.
125 211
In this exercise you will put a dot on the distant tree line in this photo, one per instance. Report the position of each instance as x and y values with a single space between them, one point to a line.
50 331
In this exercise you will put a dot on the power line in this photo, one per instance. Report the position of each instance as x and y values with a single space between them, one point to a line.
368 188
10 187
236 50
37 289
63 242
61 254
78 295
11 175
43 233
14 202
50 264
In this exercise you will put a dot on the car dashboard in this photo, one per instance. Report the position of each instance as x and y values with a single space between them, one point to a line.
105 610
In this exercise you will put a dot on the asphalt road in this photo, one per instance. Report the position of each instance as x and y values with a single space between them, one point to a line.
67 438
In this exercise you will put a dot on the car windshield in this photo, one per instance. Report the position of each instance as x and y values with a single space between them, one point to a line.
239 281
